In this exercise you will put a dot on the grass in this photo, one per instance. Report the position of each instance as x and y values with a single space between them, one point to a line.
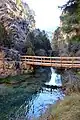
15 79
67 109
78 73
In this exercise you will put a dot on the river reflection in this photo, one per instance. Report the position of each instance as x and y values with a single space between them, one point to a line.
30 98
42 101
46 97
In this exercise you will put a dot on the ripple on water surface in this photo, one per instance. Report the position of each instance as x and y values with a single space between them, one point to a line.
46 97
30 98
42 101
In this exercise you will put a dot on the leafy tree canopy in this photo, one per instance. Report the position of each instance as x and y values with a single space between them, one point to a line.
71 15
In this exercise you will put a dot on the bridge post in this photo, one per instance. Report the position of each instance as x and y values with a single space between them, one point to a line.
51 61
33 60
61 62
72 62
41 60
3 64
44 60
25 63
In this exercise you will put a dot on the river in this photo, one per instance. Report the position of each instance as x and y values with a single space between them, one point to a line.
30 98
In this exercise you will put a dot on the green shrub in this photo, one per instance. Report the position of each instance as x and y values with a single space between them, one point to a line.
75 39
5 38
30 51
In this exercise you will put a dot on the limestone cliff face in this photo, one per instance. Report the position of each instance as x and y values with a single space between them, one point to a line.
19 23
10 11
65 43
60 43
16 22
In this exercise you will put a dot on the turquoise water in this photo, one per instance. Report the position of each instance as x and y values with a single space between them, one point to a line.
45 97
42 101
30 98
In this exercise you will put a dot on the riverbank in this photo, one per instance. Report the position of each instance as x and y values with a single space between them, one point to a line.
29 97
67 109
14 96
13 68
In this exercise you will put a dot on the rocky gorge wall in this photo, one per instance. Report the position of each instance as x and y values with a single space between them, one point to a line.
18 33
18 25
66 42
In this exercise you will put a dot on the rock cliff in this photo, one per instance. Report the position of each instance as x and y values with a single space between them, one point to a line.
67 36
20 35
66 41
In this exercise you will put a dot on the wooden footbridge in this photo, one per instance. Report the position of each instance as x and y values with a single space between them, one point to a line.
57 62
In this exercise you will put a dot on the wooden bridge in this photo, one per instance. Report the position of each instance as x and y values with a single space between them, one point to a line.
57 62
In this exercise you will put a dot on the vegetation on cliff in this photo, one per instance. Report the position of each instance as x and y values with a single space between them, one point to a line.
68 34
4 37
67 41
19 36
18 31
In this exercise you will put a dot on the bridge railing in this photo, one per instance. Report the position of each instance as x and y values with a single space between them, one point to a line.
52 61
65 62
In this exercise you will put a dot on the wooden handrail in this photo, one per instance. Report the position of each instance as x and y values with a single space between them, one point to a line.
66 62
53 61
50 57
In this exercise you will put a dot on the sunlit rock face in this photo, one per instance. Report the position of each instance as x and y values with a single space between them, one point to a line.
65 40
60 42
18 20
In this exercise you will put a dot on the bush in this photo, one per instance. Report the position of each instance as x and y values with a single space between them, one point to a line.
4 37
30 51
